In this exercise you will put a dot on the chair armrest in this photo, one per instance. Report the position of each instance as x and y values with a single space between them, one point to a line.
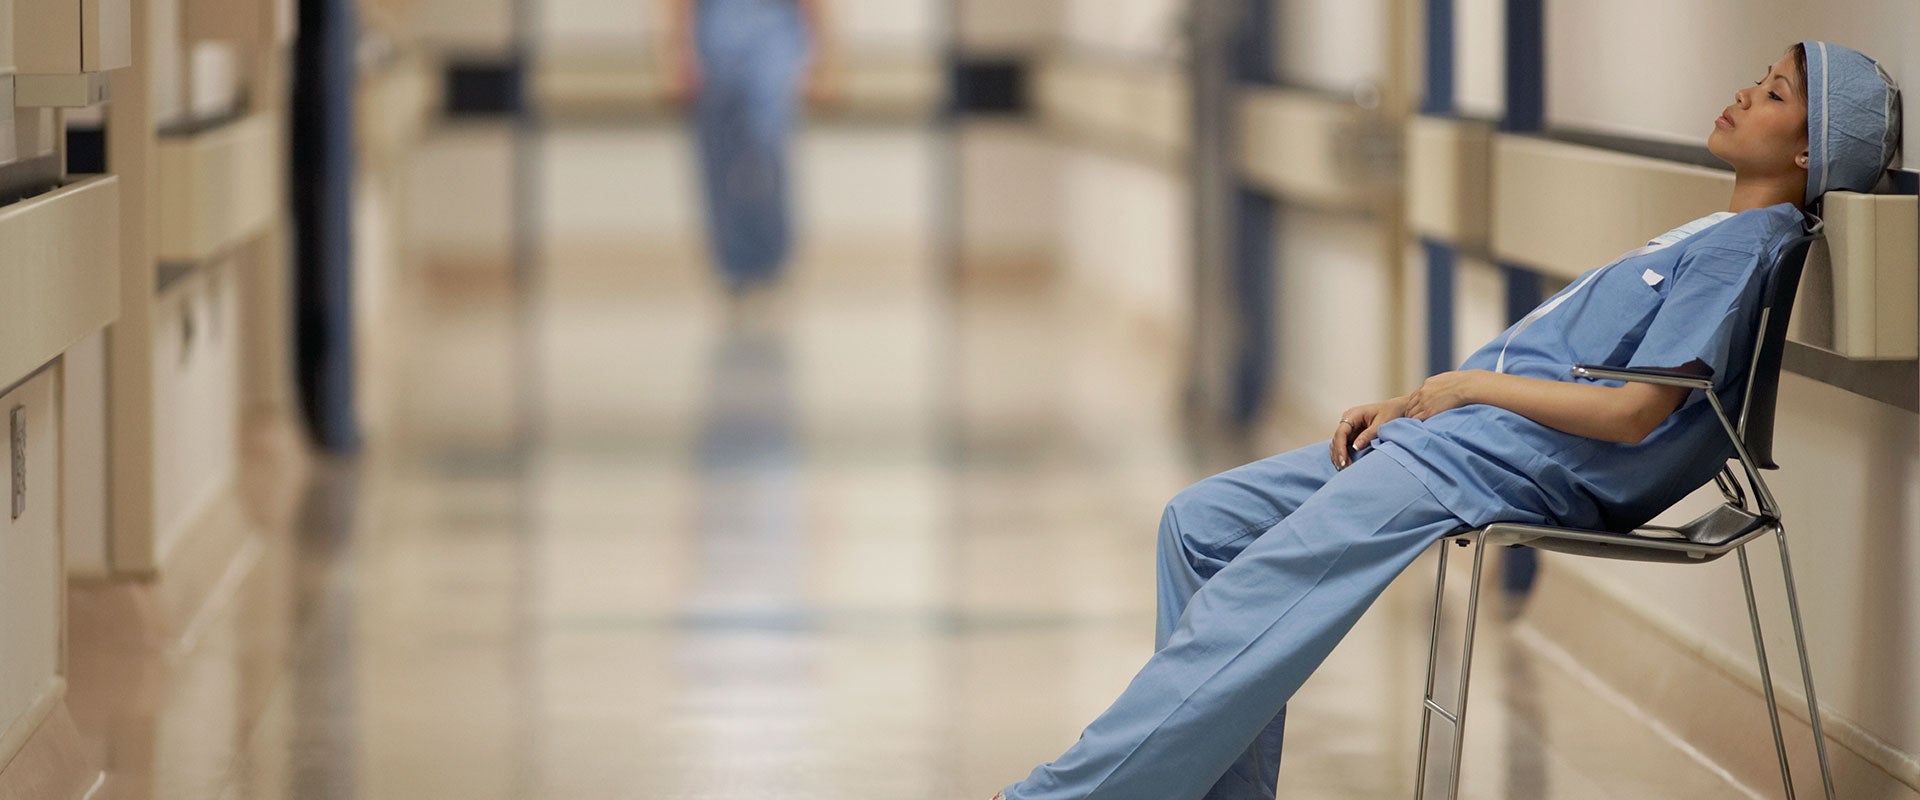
1684 380
1664 377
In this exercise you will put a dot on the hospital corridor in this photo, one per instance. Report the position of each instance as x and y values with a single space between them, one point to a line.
959 400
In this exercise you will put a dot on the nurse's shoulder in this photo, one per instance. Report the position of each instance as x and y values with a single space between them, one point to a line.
1754 232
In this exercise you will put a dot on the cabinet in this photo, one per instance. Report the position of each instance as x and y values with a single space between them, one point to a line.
74 43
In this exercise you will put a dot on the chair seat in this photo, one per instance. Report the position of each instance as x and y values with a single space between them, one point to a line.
1706 538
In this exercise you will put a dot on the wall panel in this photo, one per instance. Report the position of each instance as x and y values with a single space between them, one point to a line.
1330 291
1608 69
1332 45
1125 235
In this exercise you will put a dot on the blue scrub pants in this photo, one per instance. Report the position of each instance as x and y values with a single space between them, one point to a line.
751 56
1262 569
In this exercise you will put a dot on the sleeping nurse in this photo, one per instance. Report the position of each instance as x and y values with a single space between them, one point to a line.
1263 568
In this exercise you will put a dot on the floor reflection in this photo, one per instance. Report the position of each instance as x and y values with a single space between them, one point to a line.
749 672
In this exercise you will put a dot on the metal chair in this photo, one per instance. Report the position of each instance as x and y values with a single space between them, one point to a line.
1725 529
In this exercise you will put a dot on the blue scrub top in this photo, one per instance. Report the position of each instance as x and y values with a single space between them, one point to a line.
1696 299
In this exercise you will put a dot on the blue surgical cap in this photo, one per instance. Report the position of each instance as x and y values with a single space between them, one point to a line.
1853 121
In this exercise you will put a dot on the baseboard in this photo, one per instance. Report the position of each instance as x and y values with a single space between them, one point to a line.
1715 708
198 573
51 763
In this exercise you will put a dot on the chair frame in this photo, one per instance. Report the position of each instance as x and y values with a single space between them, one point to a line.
1727 528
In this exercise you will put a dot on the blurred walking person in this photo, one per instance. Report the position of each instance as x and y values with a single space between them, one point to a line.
740 66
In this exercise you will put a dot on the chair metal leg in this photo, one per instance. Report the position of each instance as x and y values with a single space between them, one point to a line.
1766 675
1433 658
1466 667
1806 669
1428 708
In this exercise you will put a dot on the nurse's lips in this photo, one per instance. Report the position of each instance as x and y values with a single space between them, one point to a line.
1724 121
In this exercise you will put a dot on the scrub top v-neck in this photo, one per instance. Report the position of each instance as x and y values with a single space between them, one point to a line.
1692 295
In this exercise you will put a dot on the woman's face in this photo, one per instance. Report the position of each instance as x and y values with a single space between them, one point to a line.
1764 132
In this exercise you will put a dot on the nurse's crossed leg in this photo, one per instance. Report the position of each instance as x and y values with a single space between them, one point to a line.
1263 568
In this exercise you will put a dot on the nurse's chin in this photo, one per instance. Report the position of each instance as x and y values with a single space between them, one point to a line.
1716 141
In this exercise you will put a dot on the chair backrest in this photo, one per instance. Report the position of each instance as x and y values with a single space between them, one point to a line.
1763 375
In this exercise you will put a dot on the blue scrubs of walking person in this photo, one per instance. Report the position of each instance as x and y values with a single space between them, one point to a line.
1263 568
740 66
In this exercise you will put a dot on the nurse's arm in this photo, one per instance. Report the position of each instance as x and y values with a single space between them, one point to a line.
815 15
677 52
679 29
1624 414
820 69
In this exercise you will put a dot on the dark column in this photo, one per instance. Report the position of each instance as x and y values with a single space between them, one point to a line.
322 187
1526 113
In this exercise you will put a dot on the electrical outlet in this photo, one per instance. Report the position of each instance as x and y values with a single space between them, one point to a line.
19 437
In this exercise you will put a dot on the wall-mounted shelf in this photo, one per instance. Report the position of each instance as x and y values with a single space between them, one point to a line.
1304 146
1448 166
396 102
592 82
1873 254
216 188
1565 208
249 23
60 270
1115 104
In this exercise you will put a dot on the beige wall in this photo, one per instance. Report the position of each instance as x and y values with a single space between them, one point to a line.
1332 45
1849 486
168 60
865 186
6 42
8 152
611 190
1125 228
887 24
1328 285
1009 193
1479 57
483 26
1608 68
1000 25
1142 27
472 227
606 184
616 23
1125 234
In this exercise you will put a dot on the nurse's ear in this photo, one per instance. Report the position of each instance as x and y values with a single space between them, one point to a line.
1803 159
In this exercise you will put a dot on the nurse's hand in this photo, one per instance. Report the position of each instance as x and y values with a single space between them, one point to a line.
820 86
683 80
1445 392
1359 426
